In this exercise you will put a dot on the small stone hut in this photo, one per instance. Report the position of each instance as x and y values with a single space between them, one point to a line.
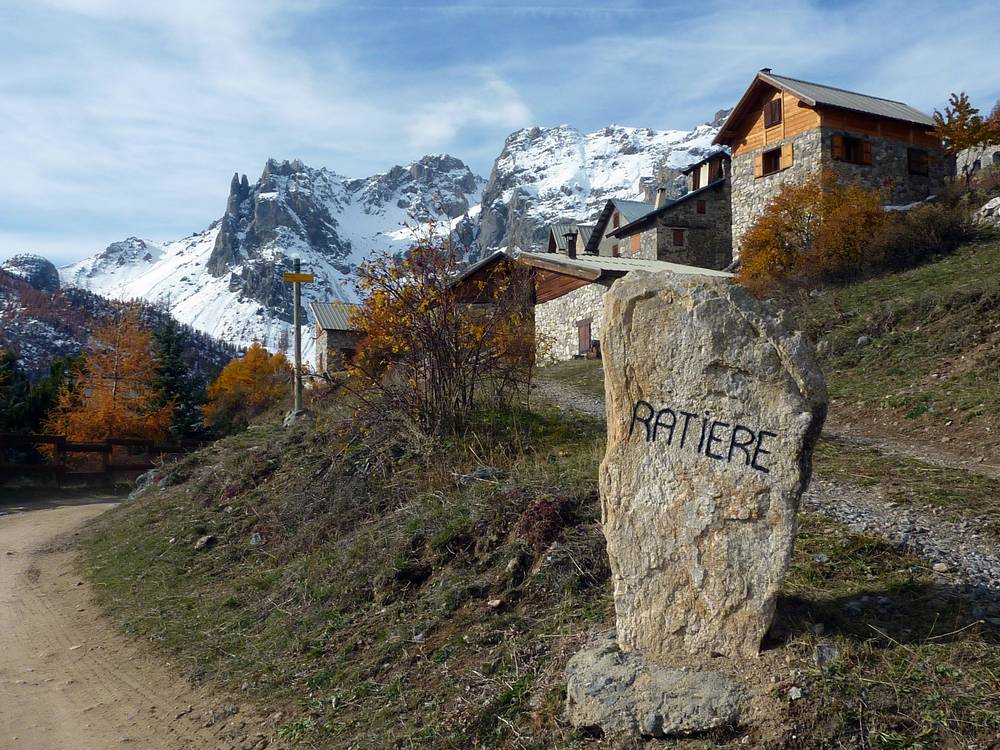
336 338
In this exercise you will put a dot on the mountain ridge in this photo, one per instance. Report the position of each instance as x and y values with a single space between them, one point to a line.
226 279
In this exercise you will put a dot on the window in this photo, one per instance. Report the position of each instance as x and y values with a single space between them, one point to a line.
616 220
849 149
615 251
917 161
699 207
996 158
678 236
696 179
772 113
772 161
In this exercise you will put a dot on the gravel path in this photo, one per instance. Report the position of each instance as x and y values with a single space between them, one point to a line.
956 552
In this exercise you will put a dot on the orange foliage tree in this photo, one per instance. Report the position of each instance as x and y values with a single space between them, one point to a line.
816 231
247 387
962 128
113 393
437 351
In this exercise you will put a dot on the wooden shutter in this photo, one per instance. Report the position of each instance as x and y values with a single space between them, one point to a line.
678 237
758 165
772 112
837 147
786 155
700 207
866 152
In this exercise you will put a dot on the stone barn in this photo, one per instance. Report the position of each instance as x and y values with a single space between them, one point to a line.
784 130
336 338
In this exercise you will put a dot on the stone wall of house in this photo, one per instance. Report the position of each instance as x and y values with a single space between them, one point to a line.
331 347
889 171
556 332
647 245
751 195
707 236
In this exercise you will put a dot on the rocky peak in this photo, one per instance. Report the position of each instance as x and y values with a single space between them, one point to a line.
544 175
38 272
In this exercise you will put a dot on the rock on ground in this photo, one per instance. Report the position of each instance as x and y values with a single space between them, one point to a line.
623 693
714 406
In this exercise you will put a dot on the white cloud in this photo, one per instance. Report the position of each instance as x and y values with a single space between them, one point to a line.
124 117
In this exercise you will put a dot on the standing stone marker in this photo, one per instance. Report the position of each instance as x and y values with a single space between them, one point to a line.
714 407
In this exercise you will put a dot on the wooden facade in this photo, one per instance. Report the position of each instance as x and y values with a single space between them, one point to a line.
748 127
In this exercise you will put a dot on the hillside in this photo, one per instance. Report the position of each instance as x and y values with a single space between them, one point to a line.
379 591
43 322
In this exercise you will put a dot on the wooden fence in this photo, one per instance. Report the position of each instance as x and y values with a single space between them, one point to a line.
56 457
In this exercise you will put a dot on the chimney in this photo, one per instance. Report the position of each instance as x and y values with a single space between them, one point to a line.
661 196
570 244
765 70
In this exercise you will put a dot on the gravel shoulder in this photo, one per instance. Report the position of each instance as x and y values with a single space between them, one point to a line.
67 679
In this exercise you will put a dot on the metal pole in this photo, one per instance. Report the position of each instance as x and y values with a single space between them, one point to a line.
297 296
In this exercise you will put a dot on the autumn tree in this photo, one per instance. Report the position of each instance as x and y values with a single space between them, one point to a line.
437 351
247 387
962 128
113 393
815 231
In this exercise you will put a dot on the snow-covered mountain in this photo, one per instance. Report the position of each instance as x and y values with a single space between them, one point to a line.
226 280
549 175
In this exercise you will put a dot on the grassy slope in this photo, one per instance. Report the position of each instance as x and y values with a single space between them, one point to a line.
931 367
389 605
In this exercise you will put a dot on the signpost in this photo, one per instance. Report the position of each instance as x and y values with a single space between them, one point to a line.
297 279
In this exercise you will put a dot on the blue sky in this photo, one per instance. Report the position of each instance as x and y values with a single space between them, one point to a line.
122 117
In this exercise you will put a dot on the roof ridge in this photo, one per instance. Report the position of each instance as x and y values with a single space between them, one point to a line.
838 88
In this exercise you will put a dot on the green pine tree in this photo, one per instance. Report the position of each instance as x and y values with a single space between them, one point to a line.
175 381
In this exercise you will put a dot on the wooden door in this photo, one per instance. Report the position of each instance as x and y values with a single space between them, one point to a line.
583 329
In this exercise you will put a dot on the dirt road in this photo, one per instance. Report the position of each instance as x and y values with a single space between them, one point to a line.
67 679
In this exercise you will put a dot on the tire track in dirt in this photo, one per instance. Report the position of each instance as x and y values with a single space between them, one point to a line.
67 679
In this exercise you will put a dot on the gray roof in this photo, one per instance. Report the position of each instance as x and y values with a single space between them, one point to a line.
632 210
609 264
629 210
559 232
816 93
333 316
468 271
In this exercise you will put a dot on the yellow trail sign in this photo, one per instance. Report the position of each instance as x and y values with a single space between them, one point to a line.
302 278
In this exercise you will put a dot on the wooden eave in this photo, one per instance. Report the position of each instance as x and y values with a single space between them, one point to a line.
555 266
728 134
